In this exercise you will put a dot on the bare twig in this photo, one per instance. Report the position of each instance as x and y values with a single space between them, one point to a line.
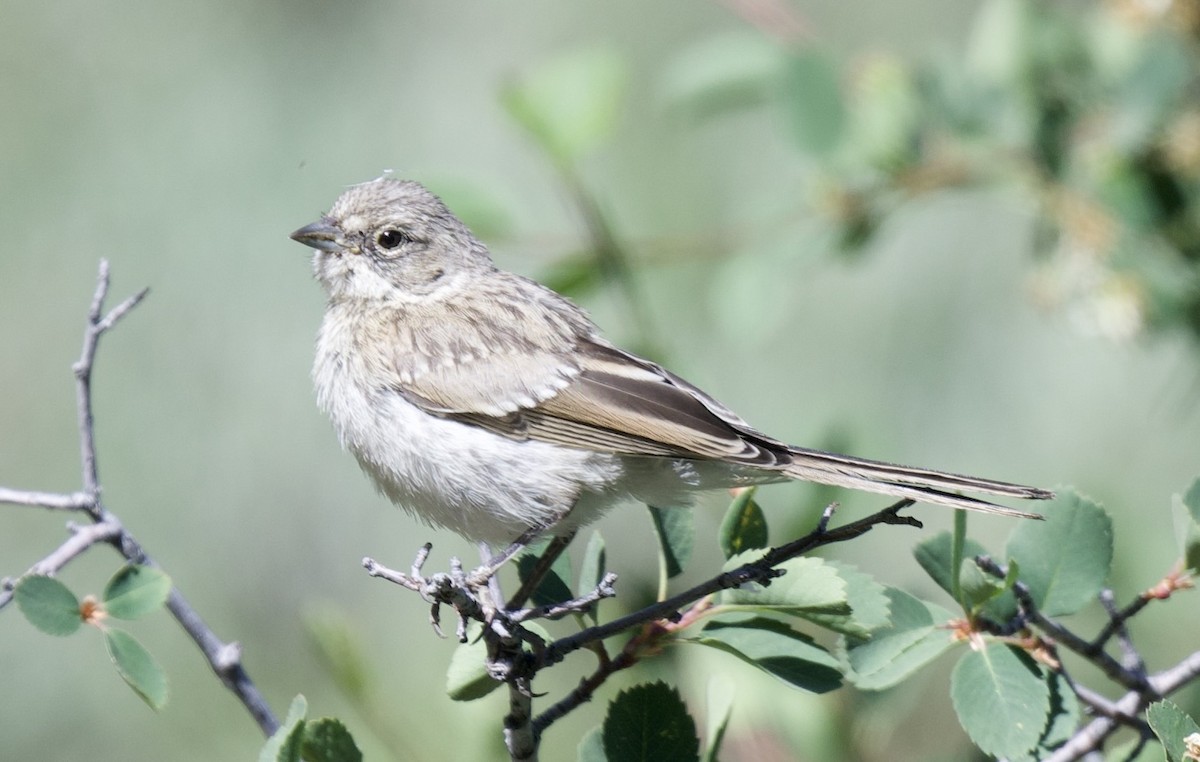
75 501
224 658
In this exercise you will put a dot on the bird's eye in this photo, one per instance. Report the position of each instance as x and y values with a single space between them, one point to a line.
391 238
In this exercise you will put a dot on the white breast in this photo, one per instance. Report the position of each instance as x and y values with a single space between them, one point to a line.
479 484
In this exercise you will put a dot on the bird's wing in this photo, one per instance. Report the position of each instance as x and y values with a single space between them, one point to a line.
573 389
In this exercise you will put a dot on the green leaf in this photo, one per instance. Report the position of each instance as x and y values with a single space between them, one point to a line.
775 648
810 586
137 667
1001 699
1065 559
1064 713
592 568
885 113
328 740
553 587
1186 510
467 677
1191 500
869 606
48 605
591 571
813 99
1173 727
977 588
337 642
296 710
934 556
591 747
720 706
915 636
744 526
135 591
676 537
650 723
285 743
722 73
571 105
1063 722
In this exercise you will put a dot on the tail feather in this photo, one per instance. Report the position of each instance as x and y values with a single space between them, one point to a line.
920 484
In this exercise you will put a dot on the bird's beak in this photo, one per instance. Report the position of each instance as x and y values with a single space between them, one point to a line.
321 235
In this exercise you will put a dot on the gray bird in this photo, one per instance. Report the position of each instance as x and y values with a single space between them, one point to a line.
483 402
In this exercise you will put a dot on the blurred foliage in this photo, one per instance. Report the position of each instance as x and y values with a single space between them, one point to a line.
1088 109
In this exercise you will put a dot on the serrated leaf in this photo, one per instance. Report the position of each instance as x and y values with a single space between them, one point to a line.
1062 723
1172 725
676 537
650 723
48 605
1064 560
813 99
775 648
467 677
135 591
809 586
553 587
1001 699
328 740
337 641
296 710
914 637
719 703
285 743
570 105
137 667
868 603
744 526
591 747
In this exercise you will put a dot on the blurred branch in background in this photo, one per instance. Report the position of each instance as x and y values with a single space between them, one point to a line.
54 609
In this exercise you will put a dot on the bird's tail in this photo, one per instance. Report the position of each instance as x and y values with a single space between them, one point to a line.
920 484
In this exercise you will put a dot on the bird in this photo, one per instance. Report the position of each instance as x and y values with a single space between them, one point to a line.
485 403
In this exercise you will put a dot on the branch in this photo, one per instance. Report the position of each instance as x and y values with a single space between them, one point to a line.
224 658
96 327
761 570
54 501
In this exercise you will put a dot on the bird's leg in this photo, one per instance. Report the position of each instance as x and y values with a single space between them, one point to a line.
492 565
486 555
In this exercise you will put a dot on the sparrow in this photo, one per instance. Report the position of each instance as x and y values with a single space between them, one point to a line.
483 402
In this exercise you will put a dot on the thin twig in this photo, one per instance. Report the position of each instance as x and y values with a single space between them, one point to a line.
224 658
760 570
82 538
54 501
1127 678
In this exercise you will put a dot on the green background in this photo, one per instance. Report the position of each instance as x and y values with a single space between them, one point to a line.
184 141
